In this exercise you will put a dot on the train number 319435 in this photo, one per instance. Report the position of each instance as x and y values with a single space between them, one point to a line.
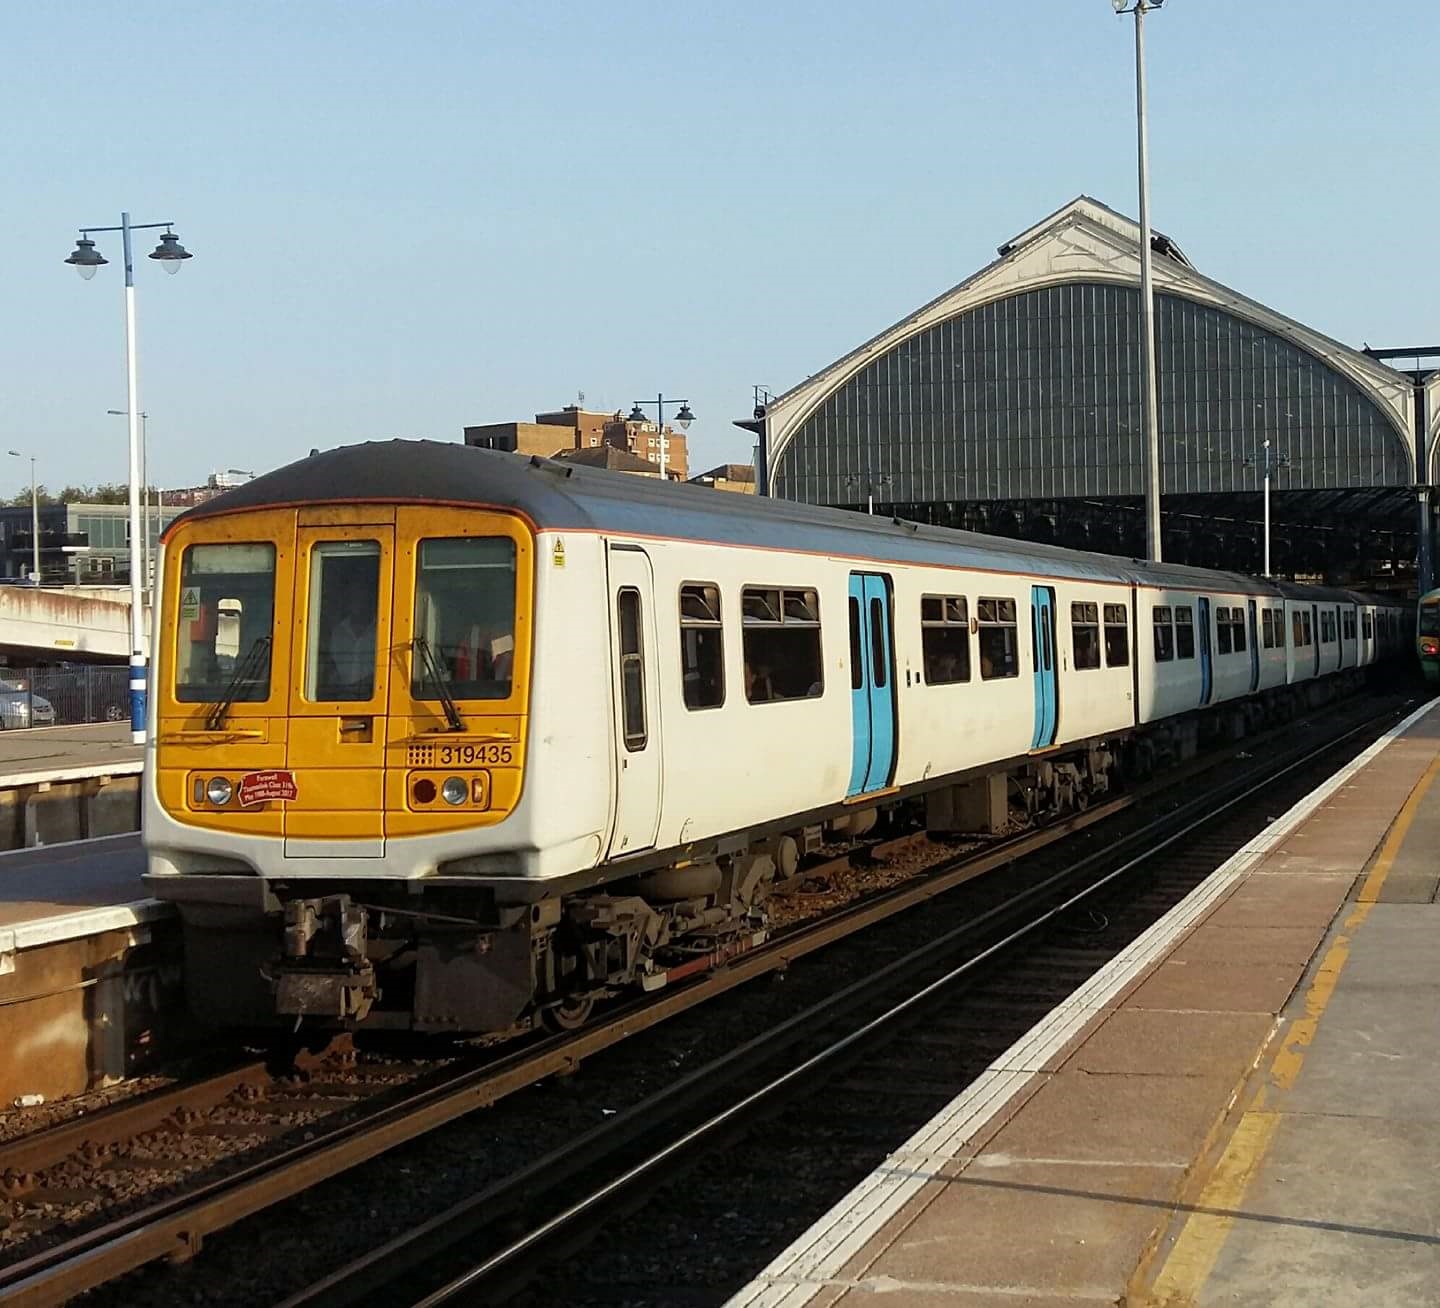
466 755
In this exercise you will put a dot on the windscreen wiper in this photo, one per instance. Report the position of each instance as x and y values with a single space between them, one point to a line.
249 664
432 673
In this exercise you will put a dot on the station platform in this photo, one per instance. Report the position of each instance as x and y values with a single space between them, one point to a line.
40 754
1239 1109
60 784
90 968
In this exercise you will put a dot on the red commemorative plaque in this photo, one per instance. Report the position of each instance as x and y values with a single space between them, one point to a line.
260 787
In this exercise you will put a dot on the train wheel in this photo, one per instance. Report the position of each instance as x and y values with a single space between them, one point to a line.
569 1014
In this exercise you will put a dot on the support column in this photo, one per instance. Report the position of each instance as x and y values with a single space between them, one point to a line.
1425 549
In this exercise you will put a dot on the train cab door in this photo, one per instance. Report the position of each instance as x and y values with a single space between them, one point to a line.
1202 634
1047 682
636 697
339 684
872 684
1316 641
1254 651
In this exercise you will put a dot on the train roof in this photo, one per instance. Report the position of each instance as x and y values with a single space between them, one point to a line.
561 496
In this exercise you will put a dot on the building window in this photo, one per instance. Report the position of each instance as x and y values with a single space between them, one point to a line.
999 646
1164 634
1117 636
781 632
986 397
1085 635
945 638
702 646
1184 631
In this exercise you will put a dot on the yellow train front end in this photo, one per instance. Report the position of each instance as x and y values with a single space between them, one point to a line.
340 701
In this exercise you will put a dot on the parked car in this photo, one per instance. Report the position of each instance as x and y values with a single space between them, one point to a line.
17 704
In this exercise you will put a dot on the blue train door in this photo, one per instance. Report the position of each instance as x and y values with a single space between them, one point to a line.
1042 636
1315 631
1254 653
872 684
1203 633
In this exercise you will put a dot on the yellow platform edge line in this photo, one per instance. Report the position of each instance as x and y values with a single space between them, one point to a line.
1200 1242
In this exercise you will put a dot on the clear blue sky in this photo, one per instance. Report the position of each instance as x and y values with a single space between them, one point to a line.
407 217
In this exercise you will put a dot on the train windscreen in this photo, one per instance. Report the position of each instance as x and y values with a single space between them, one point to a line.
465 612
1430 618
227 613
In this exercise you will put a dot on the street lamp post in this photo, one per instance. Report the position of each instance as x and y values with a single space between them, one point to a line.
1147 291
86 260
34 517
144 484
870 484
1271 464
684 417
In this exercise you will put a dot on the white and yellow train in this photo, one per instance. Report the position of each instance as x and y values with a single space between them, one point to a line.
447 739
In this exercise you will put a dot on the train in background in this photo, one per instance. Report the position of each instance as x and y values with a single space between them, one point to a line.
1427 635
446 739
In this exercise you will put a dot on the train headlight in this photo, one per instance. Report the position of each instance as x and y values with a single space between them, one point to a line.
454 790
218 791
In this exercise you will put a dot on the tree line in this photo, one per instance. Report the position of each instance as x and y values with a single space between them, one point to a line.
105 493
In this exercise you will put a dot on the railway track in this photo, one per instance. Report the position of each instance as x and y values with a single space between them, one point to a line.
175 1226
816 1078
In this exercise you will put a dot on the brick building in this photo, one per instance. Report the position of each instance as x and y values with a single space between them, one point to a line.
574 428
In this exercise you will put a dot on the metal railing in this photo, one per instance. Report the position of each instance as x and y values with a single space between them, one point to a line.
63 696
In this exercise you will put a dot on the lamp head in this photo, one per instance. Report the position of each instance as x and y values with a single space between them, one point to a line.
637 414
1119 5
684 417
170 252
86 258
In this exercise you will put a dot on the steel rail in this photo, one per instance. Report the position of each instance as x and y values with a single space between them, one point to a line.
116 1123
383 1265
174 1228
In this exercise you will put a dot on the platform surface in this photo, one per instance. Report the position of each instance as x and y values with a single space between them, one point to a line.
59 753
1240 1110
59 892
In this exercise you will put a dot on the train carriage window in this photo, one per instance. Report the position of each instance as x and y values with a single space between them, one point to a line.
1279 616
1267 629
1298 635
945 638
1237 624
344 603
781 636
857 653
1224 642
1117 636
1327 628
1085 631
1164 634
702 646
1367 625
1184 632
879 663
1429 619
999 644
226 622
465 612
1349 624
632 668
1309 634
